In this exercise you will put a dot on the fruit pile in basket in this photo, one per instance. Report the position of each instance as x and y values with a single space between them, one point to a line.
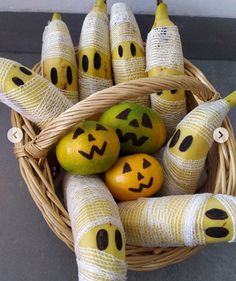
144 147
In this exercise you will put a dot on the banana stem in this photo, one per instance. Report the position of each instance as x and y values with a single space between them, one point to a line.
56 16
231 99
159 2
100 5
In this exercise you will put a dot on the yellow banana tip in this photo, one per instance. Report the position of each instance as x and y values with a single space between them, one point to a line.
56 16
231 99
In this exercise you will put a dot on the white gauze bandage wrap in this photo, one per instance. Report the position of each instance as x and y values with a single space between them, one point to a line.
164 49
94 85
171 112
94 34
171 221
57 43
205 118
37 100
182 176
124 28
90 204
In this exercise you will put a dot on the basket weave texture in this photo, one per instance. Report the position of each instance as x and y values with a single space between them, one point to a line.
44 183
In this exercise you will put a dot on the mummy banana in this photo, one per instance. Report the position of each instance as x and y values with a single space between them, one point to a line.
164 56
176 221
99 237
185 154
128 58
30 94
95 71
58 58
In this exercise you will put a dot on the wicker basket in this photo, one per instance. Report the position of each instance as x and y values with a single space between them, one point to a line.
39 170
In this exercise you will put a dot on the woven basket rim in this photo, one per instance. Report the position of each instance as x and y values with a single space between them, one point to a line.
34 166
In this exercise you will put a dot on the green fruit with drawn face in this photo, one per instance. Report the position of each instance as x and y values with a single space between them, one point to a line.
139 128
90 148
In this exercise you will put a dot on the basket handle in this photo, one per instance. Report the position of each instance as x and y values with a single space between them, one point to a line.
106 98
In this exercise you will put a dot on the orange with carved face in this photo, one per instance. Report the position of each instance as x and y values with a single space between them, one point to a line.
90 148
134 176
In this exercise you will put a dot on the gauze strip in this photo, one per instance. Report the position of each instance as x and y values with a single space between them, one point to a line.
124 28
171 221
95 35
164 49
90 204
205 118
37 100
181 175
171 112
90 84
57 42
95 32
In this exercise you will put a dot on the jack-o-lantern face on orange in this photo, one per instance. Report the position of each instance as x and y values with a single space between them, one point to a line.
140 129
134 176
90 148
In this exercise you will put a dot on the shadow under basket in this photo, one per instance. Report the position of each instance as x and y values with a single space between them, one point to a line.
43 180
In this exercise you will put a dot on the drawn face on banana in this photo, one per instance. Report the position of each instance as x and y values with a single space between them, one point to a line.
64 76
93 63
218 224
188 145
127 50
107 238
173 95
17 76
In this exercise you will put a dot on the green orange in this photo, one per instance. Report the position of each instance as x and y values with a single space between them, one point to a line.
90 148
139 128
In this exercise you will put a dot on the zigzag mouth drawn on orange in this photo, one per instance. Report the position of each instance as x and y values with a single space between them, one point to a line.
94 149
131 136
142 186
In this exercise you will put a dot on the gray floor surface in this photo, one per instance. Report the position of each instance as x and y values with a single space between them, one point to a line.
29 251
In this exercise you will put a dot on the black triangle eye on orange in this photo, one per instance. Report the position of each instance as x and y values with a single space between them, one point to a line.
91 148
134 176
138 127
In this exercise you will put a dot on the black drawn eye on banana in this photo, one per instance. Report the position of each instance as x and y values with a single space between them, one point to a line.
177 221
58 58
30 94
185 154
128 58
98 233
94 56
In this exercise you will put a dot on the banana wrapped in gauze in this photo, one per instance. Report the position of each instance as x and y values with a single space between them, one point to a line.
58 58
182 220
164 56
128 58
95 71
30 94
98 233
185 154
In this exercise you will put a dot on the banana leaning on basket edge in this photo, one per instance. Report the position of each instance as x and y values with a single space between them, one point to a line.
128 58
185 154
99 238
177 221
94 57
58 58
30 94
164 56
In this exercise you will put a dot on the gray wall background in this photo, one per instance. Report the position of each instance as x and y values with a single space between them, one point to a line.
29 251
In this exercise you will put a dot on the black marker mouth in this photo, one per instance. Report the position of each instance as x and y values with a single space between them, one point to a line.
142 186
94 149
131 136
